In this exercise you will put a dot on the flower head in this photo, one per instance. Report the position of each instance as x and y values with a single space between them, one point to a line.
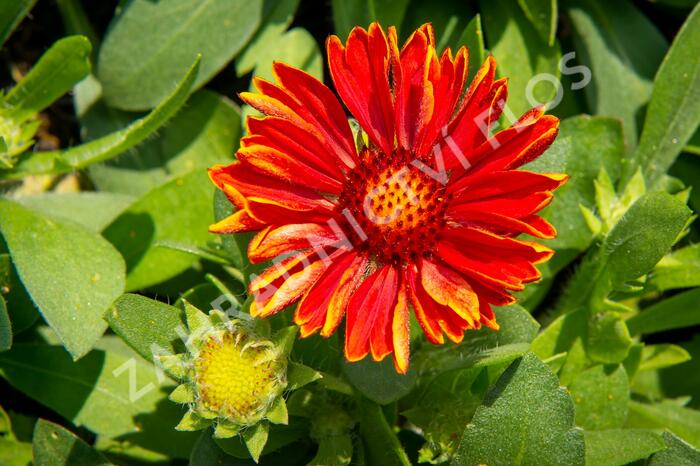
231 376
422 208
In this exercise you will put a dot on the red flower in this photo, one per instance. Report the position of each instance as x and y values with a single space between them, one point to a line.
423 211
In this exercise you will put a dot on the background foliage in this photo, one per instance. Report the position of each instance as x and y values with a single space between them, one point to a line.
111 113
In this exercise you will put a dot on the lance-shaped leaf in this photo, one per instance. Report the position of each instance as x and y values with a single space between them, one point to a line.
674 110
522 56
106 147
680 269
624 49
11 13
543 16
63 65
677 311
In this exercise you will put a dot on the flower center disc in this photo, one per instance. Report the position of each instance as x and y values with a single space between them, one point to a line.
393 209
232 381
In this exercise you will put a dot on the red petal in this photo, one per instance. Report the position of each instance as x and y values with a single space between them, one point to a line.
284 283
448 288
501 246
370 304
504 225
415 101
319 115
360 73
497 184
276 240
238 222
447 91
471 119
281 165
508 205
523 142
299 143
273 201
423 307
488 318
317 103
401 331
324 305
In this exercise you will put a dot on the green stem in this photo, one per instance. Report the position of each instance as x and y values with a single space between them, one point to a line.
381 443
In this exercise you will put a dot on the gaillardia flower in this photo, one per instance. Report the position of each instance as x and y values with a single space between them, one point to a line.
421 208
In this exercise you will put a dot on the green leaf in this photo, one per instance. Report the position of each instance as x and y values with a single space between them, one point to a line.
108 146
206 453
63 65
107 392
641 237
608 340
183 394
72 286
624 49
644 235
381 444
277 414
350 13
14 453
93 210
543 16
521 54
336 450
484 347
255 439
661 356
191 421
277 16
684 422
22 312
379 381
178 211
614 447
442 405
677 311
678 453
5 327
297 47
682 380
680 269
147 325
150 44
448 18
76 21
11 13
473 39
526 418
347 14
601 395
674 110
278 437
205 132
299 375
55 446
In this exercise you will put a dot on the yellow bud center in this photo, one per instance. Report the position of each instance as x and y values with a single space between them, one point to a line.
237 377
